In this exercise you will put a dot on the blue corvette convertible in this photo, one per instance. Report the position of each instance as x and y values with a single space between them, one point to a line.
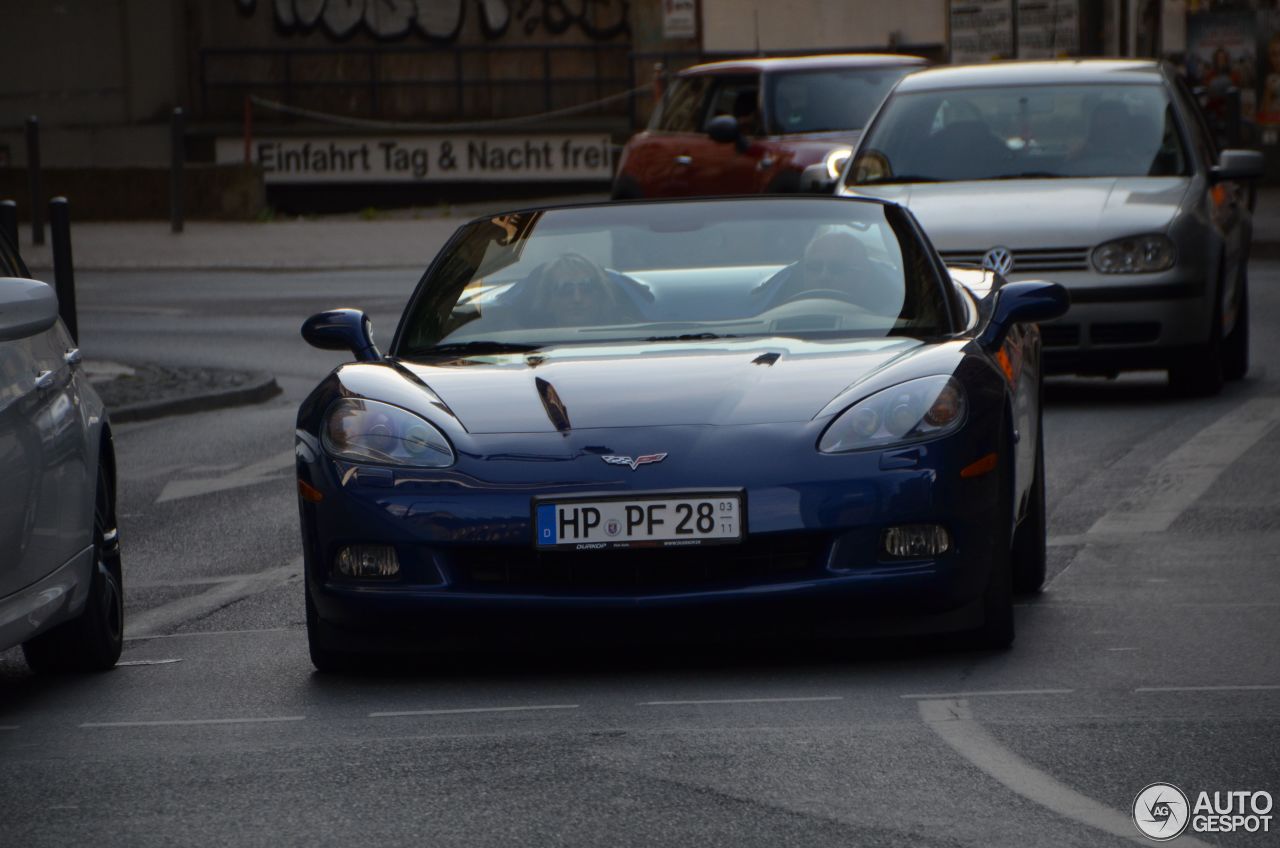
772 411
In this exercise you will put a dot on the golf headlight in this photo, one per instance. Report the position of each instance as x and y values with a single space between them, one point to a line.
908 412
835 161
370 431
1135 255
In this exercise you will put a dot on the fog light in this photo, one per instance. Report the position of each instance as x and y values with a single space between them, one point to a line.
365 561
915 541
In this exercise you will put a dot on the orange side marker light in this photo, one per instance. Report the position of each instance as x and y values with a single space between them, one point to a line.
309 492
983 466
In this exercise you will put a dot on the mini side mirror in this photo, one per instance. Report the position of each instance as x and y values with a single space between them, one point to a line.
1238 165
342 329
1027 302
725 129
27 308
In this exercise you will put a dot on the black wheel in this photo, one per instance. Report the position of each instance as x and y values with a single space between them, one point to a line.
323 657
1235 348
92 641
1200 374
996 630
1029 553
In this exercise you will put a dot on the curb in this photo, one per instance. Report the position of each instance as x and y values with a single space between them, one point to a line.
262 388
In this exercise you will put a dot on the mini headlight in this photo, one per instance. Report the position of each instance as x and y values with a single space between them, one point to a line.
371 431
910 412
835 161
1135 255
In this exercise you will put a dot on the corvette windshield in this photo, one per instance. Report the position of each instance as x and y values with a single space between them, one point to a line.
796 267
1023 132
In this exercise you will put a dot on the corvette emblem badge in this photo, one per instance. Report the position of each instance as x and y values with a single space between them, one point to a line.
637 462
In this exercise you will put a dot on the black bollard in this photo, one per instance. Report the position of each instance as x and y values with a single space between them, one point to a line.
9 222
64 278
33 178
177 161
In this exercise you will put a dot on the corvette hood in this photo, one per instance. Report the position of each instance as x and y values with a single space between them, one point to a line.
1027 214
770 381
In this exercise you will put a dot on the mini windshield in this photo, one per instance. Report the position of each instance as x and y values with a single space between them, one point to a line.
1023 132
796 267
827 100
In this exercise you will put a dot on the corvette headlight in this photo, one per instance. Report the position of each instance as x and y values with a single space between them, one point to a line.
371 431
1135 255
835 161
909 412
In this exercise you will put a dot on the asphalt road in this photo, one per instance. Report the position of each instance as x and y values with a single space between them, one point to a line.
1154 655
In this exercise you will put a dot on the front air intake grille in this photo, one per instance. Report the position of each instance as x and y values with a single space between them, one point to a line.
1130 332
777 558
1060 335
1028 261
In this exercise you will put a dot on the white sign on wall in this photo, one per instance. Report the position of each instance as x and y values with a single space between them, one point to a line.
679 18
981 30
1048 29
412 159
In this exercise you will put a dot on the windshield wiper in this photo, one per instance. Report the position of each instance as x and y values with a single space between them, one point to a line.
690 337
1030 175
901 178
454 348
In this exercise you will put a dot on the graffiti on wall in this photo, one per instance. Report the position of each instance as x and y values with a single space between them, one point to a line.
441 20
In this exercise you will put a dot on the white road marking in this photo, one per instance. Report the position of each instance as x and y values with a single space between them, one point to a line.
182 610
207 633
1114 650
250 475
189 722
742 701
148 662
1181 478
1246 688
954 724
8 727
467 710
999 693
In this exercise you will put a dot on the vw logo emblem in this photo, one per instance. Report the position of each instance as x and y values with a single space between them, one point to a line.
998 259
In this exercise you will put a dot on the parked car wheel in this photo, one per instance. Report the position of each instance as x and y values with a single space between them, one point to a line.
1029 554
1235 355
93 640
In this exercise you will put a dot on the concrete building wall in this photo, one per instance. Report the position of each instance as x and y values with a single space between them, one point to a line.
733 25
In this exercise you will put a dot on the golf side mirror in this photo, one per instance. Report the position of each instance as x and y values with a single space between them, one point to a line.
1238 165
342 329
27 308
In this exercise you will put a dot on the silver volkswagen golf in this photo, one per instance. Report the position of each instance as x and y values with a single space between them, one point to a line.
1101 175
60 579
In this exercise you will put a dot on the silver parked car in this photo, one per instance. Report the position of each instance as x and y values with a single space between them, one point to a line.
60 579
1101 175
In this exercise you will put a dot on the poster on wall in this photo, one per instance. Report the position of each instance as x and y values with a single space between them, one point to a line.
1222 53
1048 29
981 30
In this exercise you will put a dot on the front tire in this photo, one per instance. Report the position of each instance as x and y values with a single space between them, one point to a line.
326 659
93 640
1200 373
1235 354
1029 552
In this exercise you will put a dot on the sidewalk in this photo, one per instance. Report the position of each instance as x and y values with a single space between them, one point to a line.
402 238
392 239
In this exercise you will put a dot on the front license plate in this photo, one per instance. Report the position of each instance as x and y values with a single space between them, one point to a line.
657 521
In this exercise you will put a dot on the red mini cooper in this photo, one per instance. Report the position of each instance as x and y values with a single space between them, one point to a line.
752 125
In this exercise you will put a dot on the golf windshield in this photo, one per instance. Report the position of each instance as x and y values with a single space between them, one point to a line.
795 267
1022 132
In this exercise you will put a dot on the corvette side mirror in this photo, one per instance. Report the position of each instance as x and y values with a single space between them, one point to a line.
342 329
1027 302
